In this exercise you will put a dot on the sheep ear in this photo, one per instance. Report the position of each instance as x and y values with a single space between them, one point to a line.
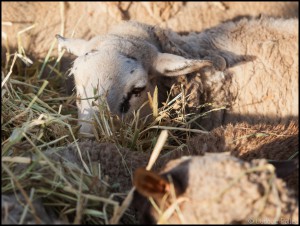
79 47
72 45
173 65
150 184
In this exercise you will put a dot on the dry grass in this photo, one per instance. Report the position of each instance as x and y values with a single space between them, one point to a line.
140 133
37 115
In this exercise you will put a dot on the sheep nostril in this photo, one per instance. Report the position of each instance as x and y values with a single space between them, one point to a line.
125 105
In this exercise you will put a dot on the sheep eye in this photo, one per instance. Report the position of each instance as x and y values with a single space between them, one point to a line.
137 90
128 57
125 105
132 58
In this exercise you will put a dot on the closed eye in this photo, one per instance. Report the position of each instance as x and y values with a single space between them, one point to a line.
129 57
137 90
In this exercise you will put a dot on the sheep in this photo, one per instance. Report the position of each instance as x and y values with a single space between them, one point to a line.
122 72
214 189
248 66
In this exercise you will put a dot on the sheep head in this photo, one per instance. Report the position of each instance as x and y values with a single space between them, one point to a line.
120 69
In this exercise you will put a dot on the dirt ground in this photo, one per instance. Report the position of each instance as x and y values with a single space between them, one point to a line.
93 18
